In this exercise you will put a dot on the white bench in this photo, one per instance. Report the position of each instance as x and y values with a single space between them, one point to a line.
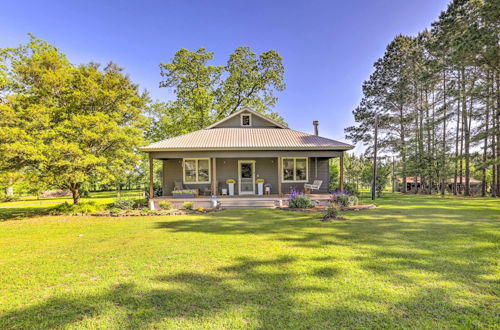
314 186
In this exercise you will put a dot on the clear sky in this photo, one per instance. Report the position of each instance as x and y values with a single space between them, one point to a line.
328 47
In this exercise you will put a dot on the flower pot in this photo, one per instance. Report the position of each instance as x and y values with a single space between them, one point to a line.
260 188
231 188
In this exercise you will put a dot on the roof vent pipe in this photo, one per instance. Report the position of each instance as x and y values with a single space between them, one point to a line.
316 124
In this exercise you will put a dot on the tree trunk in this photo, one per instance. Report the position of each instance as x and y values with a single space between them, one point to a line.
443 188
9 190
467 121
403 149
485 144
455 188
498 135
75 192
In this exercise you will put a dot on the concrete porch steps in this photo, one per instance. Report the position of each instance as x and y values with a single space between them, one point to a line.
239 204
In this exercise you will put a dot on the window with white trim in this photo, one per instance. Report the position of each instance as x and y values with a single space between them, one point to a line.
246 119
196 170
295 169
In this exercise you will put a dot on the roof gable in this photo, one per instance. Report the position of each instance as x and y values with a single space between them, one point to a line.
258 120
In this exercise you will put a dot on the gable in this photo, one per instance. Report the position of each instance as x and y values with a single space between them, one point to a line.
257 120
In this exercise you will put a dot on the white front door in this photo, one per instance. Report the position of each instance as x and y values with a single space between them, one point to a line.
246 182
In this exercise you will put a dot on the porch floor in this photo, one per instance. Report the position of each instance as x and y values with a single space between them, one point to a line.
238 201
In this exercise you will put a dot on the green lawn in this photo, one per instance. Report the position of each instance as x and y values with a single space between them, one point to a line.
413 262
100 196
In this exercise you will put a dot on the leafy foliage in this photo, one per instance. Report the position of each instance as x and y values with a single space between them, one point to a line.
298 200
187 206
206 93
67 124
165 205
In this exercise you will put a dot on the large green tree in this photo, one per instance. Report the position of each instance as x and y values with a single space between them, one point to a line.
205 93
67 123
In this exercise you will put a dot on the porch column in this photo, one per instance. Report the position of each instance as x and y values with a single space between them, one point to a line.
214 177
279 177
151 192
341 165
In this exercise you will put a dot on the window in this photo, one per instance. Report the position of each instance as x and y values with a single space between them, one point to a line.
295 169
246 120
196 170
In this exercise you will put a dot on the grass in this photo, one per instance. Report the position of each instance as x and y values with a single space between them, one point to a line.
100 197
414 262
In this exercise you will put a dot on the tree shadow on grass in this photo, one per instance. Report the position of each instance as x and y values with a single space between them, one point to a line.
263 287
458 250
18 213
251 293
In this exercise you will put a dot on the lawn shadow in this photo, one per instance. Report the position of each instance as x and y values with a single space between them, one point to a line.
18 213
265 291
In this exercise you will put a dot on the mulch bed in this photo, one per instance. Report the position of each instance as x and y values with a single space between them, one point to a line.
322 208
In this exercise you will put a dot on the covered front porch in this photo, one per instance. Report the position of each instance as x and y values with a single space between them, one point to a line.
257 176
252 175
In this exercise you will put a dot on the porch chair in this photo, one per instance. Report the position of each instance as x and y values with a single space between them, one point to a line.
314 186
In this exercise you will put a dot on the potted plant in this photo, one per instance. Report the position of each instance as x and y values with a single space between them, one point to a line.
230 185
260 186
185 193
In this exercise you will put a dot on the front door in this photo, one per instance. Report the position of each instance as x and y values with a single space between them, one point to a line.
246 177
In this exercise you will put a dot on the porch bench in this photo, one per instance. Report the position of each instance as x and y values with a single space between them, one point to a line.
314 186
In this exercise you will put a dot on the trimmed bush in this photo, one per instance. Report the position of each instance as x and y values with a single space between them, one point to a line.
83 207
343 199
187 206
332 212
123 204
300 202
139 203
165 205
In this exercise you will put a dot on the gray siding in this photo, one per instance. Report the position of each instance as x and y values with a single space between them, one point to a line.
266 168
323 174
236 122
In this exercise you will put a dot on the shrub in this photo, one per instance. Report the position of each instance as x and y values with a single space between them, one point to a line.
343 198
123 204
351 188
187 206
353 200
139 203
115 210
10 199
83 207
145 210
165 205
200 209
332 212
299 201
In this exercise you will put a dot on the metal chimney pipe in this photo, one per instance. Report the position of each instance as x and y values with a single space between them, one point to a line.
316 124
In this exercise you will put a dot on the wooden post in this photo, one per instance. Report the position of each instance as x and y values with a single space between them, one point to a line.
341 165
374 179
214 177
151 170
280 172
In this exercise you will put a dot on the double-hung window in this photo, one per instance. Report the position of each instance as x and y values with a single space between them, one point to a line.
295 169
196 170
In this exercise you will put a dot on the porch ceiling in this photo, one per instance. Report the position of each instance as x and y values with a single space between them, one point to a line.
245 154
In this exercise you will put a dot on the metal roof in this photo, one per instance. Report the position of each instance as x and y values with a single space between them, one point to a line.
247 138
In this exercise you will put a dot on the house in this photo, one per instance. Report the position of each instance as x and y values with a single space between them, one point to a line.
245 147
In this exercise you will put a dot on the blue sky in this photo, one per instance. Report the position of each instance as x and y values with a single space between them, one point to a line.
328 47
